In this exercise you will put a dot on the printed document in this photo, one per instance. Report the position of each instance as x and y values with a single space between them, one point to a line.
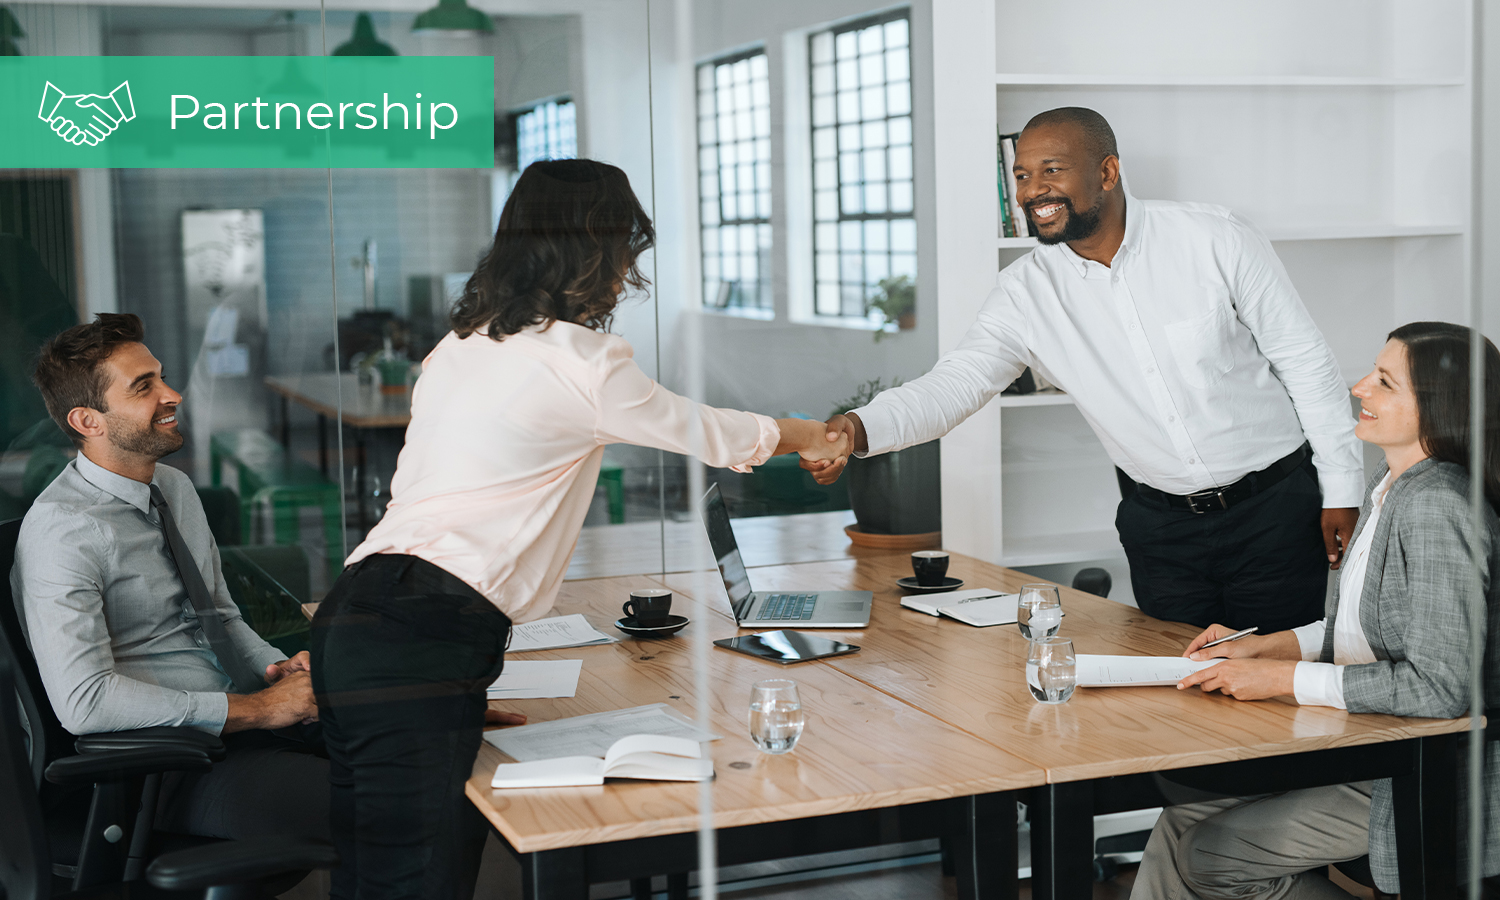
554 633
1136 671
593 735
535 679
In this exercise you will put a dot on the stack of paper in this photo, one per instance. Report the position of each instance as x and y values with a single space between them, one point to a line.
556 632
536 679
1136 671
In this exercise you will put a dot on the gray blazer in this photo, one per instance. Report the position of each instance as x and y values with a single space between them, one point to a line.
1412 613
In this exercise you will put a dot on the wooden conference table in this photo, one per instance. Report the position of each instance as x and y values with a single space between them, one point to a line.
929 731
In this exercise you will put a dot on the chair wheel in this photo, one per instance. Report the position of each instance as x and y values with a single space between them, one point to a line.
1105 869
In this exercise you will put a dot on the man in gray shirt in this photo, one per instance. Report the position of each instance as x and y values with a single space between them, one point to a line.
119 587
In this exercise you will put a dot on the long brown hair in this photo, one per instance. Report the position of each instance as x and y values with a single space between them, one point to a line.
1437 355
566 246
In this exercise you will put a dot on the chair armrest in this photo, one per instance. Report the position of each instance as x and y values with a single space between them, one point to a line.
238 862
119 765
160 737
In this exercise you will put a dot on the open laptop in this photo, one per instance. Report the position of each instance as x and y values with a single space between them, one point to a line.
790 609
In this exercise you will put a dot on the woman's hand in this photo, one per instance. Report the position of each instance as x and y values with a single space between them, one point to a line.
1245 679
1281 645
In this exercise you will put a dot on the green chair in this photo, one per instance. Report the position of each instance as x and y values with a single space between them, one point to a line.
613 479
269 475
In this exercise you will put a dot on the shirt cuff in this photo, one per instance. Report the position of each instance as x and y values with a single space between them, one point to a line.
1310 639
1342 489
765 447
207 711
878 437
1319 684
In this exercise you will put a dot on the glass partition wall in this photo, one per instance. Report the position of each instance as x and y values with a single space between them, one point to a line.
827 223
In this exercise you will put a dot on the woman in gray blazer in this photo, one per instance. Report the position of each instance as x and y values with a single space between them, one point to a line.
1395 640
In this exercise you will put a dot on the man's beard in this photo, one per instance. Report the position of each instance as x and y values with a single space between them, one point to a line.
147 441
1077 227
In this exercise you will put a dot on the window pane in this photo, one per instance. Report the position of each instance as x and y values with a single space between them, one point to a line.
898 98
897 65
823 144
901 196
822 110
870 40
849 107
874 165
825 206
822 79
872 103
825 174
850 137
900 130
873 134
871 70
822 47
846 46
900 162
895 33
851 236
904 235
875 197
875 235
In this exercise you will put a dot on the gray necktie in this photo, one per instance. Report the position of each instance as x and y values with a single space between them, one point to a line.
246 679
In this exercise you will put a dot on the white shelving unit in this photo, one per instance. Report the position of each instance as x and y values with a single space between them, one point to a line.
1346 139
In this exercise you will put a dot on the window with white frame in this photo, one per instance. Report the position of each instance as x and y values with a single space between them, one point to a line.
546 131
864 231
734 178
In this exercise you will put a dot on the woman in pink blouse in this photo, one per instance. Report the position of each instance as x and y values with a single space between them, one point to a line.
509 423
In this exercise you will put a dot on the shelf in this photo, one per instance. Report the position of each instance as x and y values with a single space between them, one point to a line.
1043 398
1047 79
1351 232
1047 549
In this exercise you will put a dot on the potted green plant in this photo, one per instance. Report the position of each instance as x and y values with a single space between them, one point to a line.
896 301
894 493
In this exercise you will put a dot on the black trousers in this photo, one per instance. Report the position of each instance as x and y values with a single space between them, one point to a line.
1261 562
266 784
401 654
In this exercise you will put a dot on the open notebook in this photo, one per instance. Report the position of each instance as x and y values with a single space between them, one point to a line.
655 757
981 607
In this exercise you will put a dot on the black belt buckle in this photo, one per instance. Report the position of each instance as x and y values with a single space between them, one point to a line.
1209 498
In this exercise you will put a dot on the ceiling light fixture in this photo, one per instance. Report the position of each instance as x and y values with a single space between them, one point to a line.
453 17
364 42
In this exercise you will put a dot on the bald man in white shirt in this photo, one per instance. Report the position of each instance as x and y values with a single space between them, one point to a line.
1180 338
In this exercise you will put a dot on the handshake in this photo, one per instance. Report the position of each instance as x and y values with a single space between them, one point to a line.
86 118
825 447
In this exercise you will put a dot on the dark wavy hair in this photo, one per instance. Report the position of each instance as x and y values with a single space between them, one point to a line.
70 367
565 249
1437 355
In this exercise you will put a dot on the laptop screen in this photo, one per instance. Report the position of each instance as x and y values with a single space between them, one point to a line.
726 551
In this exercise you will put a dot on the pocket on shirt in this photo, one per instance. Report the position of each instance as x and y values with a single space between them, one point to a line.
1204 346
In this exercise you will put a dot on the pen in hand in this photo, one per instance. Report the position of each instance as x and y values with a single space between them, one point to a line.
1231 637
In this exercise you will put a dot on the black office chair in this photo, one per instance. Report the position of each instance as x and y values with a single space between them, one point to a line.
1093 580
98 832
229 870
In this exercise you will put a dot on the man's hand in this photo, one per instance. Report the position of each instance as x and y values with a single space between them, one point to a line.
285 703
496 717
1245 679
1338 532
839 428
1281 645
299 663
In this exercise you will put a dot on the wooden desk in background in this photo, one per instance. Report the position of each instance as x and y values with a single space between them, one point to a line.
972 679
336 396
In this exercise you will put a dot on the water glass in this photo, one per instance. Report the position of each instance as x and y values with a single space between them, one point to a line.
775 715
1039 611
1051 670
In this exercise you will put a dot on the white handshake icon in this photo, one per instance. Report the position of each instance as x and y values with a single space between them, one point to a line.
86 118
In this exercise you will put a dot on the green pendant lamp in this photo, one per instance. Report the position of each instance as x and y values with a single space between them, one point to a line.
453 17
364 42
10 29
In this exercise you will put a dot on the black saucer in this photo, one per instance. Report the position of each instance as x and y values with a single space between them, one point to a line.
909 583
673 625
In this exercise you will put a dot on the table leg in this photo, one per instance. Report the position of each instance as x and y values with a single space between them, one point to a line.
554 875
322 445
286 425
360 482
982 844
640 889
1426 810
677 886
1062 841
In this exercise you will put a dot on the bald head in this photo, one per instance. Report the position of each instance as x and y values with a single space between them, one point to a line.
1098 139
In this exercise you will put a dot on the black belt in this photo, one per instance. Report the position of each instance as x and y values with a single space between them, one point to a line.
1219 499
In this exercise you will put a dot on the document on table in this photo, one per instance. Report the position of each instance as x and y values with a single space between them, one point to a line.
1135 671
554 633
592 735
536 679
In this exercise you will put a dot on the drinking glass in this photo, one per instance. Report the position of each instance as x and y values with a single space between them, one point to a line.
1051 670
1039 611
775 715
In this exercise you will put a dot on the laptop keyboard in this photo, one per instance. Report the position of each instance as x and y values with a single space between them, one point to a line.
787 607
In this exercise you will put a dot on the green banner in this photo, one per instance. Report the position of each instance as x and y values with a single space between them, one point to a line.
213 112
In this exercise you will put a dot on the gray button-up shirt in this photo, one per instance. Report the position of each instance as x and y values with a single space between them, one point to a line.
106 613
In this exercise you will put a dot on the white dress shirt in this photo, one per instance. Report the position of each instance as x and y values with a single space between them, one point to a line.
1319 683
1191 356
503 452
